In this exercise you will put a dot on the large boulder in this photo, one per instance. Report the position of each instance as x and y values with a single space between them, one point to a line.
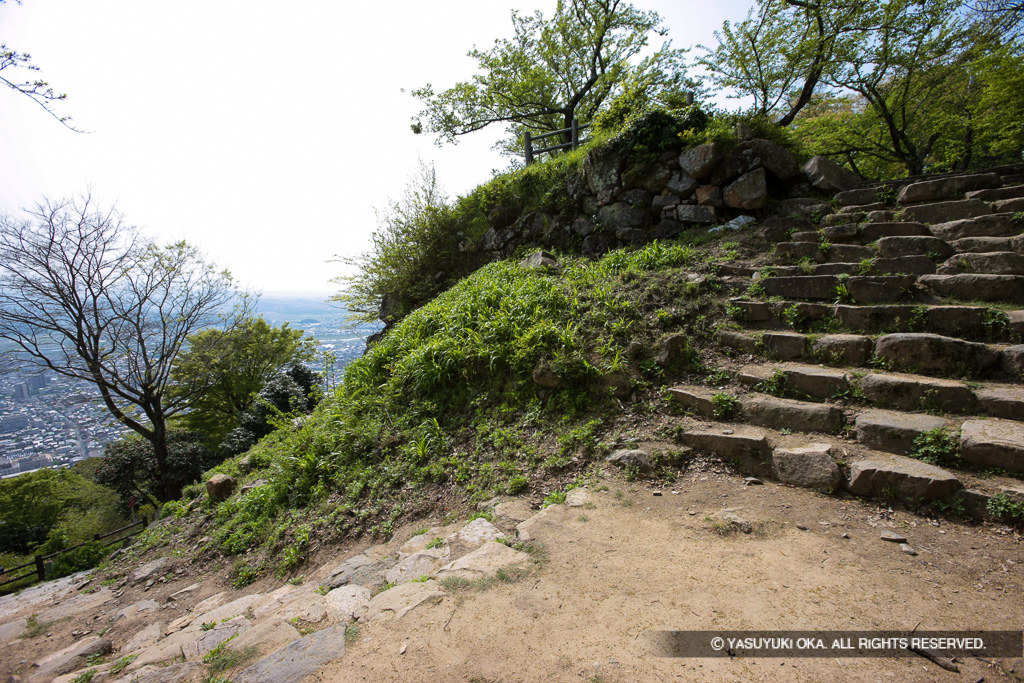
779 161
701 160
749 191
828 176
220 486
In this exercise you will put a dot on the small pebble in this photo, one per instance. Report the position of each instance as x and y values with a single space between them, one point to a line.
908 549
657 493
893 537
728 431
691 513
844 535
801 527
753 481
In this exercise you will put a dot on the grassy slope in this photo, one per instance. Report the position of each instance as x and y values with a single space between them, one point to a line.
444 411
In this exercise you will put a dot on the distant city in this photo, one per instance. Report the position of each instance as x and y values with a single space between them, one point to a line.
48 420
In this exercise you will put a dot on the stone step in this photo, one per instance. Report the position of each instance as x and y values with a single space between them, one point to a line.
1002 400
858 288
990 263
840 218
870 232
933 354
991 195
791 252
942 212
1009 205
914 392
760 409
994 225
894 476
919 245
864 195
850 253
796 380
748 447
893 431
780 229
946 188
983 245
993 443
975 323
976 287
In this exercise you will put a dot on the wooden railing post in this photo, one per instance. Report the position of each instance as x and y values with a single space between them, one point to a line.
40 568
575 133
529 148
145 521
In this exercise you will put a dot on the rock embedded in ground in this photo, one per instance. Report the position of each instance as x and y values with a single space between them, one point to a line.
828 176
933 353
893 431
631 458
486 560
220 486
809 466
70 658
892 536
400 600
779 413
417 565
150 570
902 478
993 443
298 660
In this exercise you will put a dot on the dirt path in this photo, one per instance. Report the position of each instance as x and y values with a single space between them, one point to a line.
631 563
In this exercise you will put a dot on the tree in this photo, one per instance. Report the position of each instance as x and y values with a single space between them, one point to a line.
780 53
233 365
37 90
129 466
554 70
83 294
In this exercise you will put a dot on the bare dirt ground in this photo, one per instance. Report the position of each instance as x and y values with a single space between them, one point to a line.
631 563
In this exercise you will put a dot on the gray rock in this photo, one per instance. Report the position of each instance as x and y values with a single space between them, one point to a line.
993 443
828 176
150 570
69 659
871 232
779 413
486 560
701 160
621 215
417 565
894 432
360 570
802 287
994 225
811 467
220 486
695 399
867 195
907 549
912 392
631 458
602 173
400 600
933 353
1005 401
540 260
545 376
843 349
692 213
977 286
779 161
182 671
893 247
749 191
582 227
746 446
892 536
784 345
946 188
902 478
943 212
879 289
996 263
671 349
682 185
300 659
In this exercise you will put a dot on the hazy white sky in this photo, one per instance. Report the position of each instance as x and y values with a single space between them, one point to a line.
265 133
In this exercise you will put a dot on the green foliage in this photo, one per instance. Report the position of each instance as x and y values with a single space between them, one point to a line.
726 405
937 446
130 467
244 575
232 366
1006 506
573 64
38 504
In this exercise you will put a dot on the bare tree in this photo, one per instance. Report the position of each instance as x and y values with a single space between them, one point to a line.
85 295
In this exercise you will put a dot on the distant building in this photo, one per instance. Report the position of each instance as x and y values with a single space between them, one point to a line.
34 463
21 391
37 382
13 423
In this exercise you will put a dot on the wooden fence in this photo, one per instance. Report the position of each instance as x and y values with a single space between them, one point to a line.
574 140
39 563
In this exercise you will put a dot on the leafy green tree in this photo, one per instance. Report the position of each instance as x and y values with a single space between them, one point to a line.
130 467
34 504
288 394
554 70
232 366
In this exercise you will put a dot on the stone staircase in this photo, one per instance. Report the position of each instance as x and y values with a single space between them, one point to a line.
892 328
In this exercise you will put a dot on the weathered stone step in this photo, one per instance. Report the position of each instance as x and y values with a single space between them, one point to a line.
893 431
991 263
893 247
993 443
899 477
976 287
981 245
858 288
747 446
994 225
1009 205
933 354
994 194
914 392
946 188
942 212
760 409
976 323
796 379
869 232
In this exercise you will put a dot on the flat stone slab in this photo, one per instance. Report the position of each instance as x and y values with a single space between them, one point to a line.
871 289
1005 401
10 631
268 636
486 560
192 643
982 245
993 263
417 565
400 600
905 265
801 287
941 212
993 443
903 478
873 318
779 413
300 659
914 392
362 569
936 354
746 446
348 603
514 511
697 400
842 349
995 225
269 603
472 536
977 286
869 232
914 245
785 345
947 188
144 638
533 528
814 381
150 570
892 431
75 605
736 340
69 659
810 467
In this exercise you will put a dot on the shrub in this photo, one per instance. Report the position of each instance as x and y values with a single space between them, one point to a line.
937 446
